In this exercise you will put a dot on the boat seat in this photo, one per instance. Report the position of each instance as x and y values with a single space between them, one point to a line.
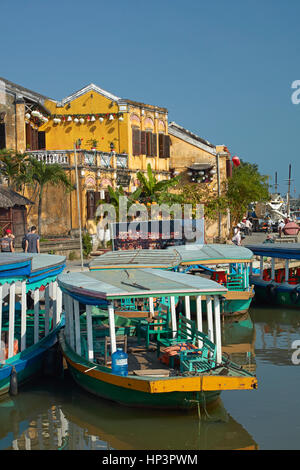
155 326
121 340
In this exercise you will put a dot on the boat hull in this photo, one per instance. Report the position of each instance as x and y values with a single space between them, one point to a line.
276 294
229 307
28 363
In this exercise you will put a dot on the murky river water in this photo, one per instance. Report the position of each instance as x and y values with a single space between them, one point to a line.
56 414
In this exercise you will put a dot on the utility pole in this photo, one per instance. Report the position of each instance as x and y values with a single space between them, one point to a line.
288 205
276 184
78 202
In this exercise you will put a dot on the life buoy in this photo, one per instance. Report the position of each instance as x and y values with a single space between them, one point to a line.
295 295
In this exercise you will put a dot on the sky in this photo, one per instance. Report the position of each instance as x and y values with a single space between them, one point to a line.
223 69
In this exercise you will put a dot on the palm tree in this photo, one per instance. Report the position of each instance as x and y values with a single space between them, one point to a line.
43 174
116 194
153 190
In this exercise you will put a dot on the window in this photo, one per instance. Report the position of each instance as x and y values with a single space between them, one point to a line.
2 136
144 143
164 146
92 199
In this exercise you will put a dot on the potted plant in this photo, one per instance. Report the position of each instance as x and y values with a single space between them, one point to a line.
93 143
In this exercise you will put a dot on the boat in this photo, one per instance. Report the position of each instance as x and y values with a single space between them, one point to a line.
172 363
277 281
226 264
27 280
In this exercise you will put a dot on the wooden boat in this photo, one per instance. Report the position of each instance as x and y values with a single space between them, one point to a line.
159 375
226 264
279 283
27 334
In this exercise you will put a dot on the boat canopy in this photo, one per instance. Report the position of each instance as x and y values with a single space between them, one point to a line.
272 250
92 288
213 254
131 259
35 268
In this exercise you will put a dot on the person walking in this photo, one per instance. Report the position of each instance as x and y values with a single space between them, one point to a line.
248 227
237 238
32 241
7 242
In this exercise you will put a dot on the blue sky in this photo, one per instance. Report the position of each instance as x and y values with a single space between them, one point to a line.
224 69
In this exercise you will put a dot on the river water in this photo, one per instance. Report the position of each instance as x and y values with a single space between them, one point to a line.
57 414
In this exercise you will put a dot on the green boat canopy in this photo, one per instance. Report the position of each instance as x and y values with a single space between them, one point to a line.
89 287
213 254
136 259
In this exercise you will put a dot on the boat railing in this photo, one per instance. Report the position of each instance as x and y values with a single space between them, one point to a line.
21 324
235 282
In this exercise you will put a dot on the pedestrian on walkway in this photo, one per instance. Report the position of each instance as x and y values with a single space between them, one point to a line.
7 242
32 242
237 238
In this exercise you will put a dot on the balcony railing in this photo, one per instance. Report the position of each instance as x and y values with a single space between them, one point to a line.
92 158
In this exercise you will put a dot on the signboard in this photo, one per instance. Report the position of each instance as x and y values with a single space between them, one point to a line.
156 234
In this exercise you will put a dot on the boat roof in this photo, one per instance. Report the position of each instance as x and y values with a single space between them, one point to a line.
90 287
37 269
274 250
131 259
213 254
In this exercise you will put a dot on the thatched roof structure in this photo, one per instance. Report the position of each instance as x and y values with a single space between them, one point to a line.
9 198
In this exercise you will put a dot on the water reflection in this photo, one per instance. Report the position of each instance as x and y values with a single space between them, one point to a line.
58 415
276 329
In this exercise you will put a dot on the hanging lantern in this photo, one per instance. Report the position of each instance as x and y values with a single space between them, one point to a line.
93 118
81 120
76 120
101 119
121 118
69 118
111 118
212 172
45 119
35 113
56 120
236 160
27 115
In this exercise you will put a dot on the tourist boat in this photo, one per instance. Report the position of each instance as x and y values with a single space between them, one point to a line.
226 264
278 282
172 363
27 334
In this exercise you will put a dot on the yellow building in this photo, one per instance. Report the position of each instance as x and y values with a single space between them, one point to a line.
118 138
201 163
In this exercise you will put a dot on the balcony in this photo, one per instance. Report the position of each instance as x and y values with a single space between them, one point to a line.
85 158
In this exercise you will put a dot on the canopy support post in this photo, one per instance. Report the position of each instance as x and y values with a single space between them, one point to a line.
261 267
287 265
47 309
218 328
199 318
77 327
89 327
23 315
273 269
210 322
11 324
36 300
112 330
173 316
187 307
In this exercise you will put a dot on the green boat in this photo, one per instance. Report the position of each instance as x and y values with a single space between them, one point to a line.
278 283
226 264
27 333
172 363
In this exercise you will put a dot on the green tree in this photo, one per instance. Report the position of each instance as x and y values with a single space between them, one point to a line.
13 167
245 186
43 174
153 190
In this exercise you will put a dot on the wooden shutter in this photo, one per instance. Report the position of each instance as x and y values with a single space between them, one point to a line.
228 169
167 146
149 144
28 136
97 199
154 145
41 140
136 141
2 136
90 204
161 145
143 142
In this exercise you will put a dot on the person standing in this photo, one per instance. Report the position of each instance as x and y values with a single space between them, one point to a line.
237 238
7 242
248 227
32 242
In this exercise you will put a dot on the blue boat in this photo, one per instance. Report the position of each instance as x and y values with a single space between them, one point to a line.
27 331
275 284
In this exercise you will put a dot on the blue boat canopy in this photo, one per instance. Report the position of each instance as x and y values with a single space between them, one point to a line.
92 288
273 250
37 269
131 259
213 254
